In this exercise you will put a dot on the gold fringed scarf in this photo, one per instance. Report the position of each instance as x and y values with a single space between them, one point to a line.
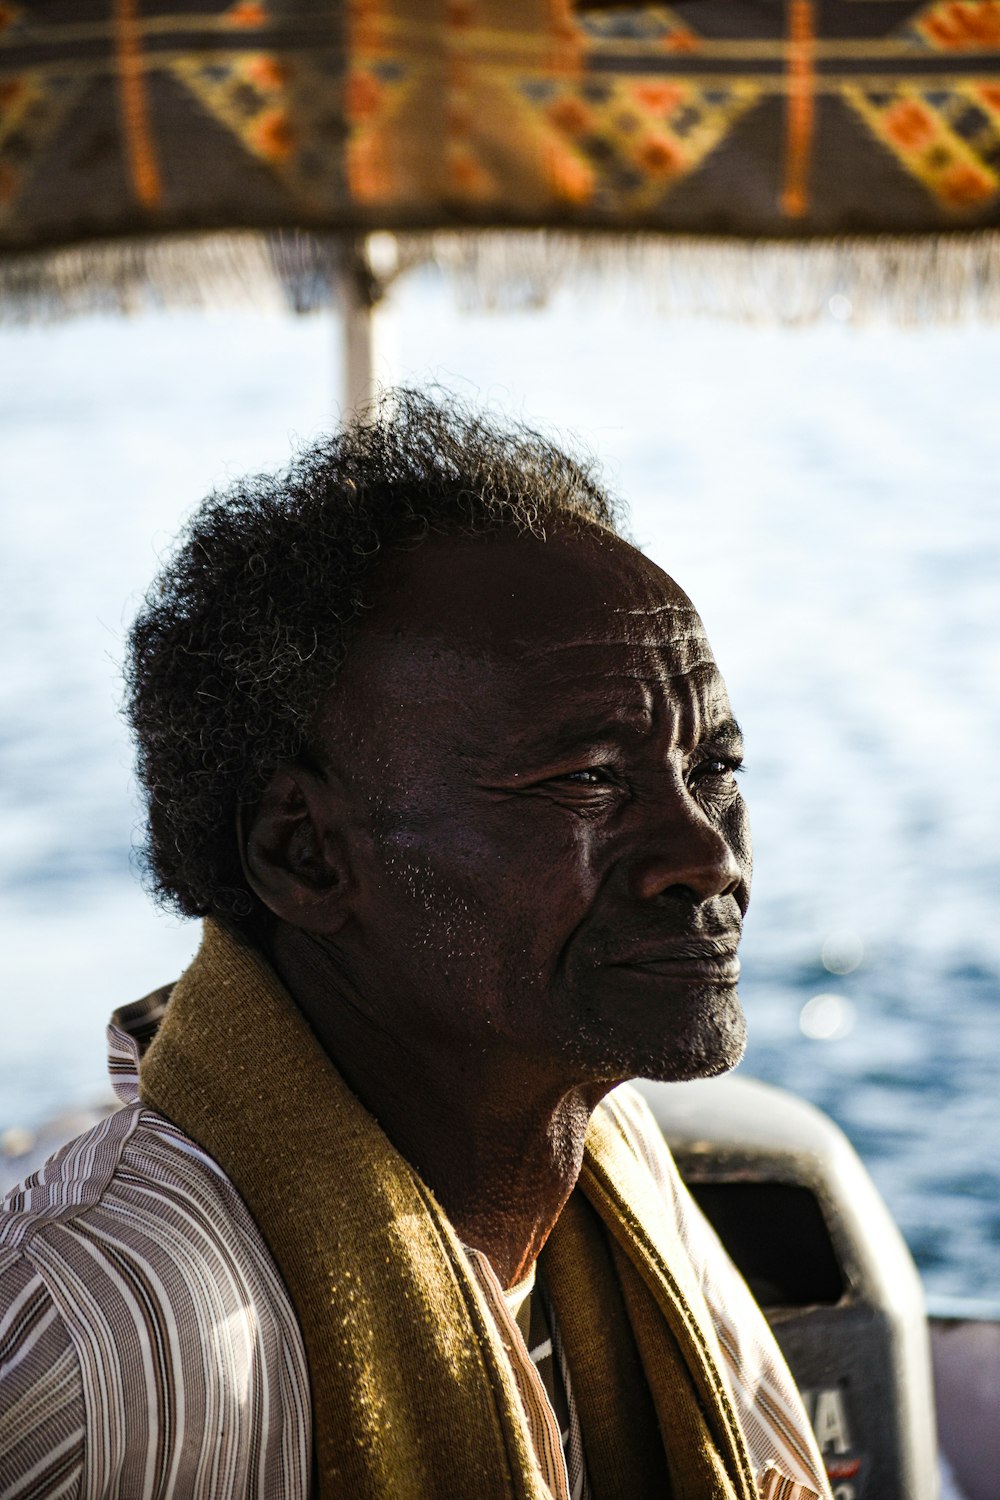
413 1396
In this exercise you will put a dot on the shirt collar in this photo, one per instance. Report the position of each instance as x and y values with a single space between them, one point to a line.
130 1031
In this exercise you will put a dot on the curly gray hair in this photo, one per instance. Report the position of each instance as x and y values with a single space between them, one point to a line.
246 627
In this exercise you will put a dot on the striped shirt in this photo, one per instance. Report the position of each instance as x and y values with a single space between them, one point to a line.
148 1347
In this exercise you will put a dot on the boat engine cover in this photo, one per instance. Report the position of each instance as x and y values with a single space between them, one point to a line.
802 1219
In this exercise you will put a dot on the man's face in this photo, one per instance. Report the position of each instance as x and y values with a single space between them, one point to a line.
551 855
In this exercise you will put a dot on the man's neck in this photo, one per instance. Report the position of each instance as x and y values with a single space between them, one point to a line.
501 1150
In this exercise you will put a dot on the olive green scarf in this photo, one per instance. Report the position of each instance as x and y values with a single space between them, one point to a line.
413 1395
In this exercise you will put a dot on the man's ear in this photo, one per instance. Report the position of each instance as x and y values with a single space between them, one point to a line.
294 849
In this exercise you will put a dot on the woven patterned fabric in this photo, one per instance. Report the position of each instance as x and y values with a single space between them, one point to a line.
736 117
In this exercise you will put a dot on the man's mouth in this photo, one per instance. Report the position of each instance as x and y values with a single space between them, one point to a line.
710 960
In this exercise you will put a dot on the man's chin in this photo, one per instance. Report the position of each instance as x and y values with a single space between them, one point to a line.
707 1057
706 1038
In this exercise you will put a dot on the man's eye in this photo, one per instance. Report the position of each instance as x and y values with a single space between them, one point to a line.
714 765
592 776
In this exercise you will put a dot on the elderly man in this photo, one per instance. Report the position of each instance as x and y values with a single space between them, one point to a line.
449 771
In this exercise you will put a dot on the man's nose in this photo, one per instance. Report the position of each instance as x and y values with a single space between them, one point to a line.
688 858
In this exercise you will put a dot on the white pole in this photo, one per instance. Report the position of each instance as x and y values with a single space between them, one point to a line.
367 267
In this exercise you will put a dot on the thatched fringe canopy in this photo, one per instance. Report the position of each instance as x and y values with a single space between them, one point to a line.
943 279
755 157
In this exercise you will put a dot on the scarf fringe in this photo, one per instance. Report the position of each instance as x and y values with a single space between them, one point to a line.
889 279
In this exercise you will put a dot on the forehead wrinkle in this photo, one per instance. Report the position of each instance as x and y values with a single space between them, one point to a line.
640 673
597 696
706 664
685 608
477 654
598 643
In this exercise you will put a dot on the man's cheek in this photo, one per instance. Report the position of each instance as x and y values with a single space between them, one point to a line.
745 856
442 904
736 826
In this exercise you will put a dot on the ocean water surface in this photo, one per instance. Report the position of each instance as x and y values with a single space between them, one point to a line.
830 499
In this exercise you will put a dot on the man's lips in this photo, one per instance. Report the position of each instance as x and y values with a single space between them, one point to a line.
706 959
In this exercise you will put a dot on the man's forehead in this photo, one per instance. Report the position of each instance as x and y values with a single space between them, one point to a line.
530 599
501 643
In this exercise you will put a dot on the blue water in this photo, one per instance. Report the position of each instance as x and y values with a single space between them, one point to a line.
829 497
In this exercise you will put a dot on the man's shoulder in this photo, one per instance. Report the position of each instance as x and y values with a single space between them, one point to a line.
132 1151
73 1181
133 1200
133 1282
